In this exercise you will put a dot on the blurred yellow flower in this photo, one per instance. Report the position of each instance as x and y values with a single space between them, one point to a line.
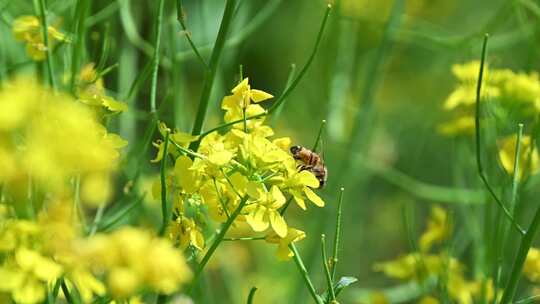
514 95
51 138
529 161
428 300
28 29
438 229
531 268
132 259
91 91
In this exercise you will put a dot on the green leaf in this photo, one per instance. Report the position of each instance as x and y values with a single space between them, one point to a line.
344 282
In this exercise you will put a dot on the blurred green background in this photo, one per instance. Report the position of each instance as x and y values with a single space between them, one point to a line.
379 80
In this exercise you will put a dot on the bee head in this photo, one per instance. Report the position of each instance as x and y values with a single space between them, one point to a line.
295 150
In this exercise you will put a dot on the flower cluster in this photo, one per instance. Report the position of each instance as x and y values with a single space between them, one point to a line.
425 264
515 97
242 175
512 97
29 30
54 153
48 139
132 259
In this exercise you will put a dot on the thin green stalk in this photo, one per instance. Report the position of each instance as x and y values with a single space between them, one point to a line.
211 71
187 151
285 93
517 268
251 295
53 294
45 30
260 238
81 11
77 201
220 197
516 172
219 238
102 15
329 280
104 51
290 78
318 140
163 176
481 172
181 20
514 194
286 206
254 24
97 220
115 218
337 235
304 273
305 68
67 294
155 57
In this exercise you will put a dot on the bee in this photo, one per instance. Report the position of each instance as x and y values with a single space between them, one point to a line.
312 162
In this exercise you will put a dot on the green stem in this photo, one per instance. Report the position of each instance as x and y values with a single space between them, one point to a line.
305 68
516 172
337 235
180 18
155 58
503 227
219 238
254 24
329 280
45 31
277 113
481 172
97 220
304 273
261 238
67 294
163 181
78 45
211 71
251 295
318 140
524 246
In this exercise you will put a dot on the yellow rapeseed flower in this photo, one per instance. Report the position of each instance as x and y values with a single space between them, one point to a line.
283 252
531 269
58 139
438 229
28 29
132 259
529 161
264 211
186 232
91 91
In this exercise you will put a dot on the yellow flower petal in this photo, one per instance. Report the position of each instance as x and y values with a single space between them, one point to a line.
313 197
258 95
308 179
31 292
256 219
242 86
278 223
299 201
